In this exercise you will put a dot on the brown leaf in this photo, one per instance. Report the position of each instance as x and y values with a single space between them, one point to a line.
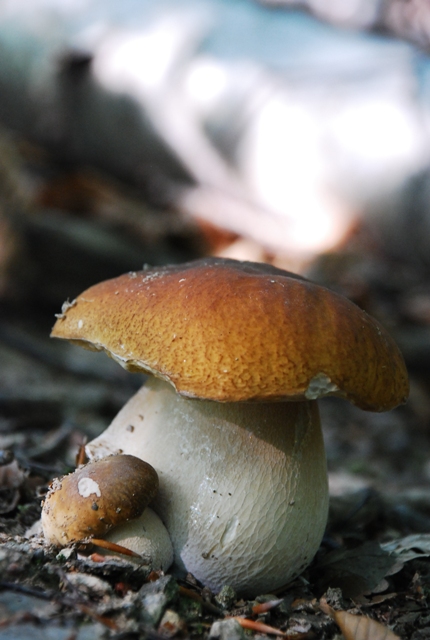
362 627
358 627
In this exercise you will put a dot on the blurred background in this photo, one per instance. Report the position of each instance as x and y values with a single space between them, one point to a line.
142 132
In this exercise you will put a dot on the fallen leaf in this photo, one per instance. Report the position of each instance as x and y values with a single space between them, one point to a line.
410 547
355 627
356 571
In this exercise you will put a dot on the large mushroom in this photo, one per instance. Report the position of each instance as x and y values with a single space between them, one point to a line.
239 353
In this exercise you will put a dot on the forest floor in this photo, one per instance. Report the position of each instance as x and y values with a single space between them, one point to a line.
374 559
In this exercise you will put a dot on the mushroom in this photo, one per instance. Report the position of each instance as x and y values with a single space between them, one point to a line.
147 537
107 499
239 353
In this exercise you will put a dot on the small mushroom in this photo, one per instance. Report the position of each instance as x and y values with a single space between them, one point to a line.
147 537
97 497
239 353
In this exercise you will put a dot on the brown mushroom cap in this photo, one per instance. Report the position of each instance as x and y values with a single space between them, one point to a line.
237 331
96 497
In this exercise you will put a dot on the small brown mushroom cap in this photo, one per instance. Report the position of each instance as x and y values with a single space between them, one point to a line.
96 497
238 331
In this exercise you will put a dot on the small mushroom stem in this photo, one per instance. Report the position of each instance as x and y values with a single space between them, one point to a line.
146 537
243 486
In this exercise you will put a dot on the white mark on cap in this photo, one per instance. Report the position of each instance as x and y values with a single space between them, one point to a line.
319 386
80 324
88 486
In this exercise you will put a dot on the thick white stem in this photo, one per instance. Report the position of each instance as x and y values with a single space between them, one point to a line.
243 486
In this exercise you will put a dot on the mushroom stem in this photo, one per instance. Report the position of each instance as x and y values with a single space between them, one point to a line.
146 537
242 481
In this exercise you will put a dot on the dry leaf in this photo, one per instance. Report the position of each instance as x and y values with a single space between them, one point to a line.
362 627
410 547
358 627
356 571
